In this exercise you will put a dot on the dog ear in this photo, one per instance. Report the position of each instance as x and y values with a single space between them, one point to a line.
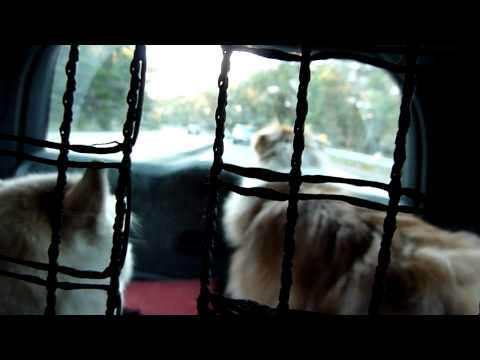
88 196
264 137
260 142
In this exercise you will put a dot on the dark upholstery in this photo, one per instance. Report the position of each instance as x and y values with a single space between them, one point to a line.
169 198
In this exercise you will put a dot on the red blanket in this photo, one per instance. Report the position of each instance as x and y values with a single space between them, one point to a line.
177 297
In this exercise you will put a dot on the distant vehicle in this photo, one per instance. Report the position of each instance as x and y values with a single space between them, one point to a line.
193 129
242 133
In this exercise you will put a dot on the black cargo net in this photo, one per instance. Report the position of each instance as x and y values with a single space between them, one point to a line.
211 303
122 193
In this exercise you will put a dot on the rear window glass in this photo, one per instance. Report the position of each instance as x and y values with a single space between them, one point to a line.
353 107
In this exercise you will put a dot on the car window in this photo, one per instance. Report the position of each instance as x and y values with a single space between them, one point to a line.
353 107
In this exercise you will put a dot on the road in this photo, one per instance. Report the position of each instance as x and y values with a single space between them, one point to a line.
169 143
163 144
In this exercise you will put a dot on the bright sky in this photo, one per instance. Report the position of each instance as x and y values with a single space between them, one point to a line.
183 70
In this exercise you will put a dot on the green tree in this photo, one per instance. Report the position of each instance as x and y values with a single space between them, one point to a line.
330 110
103 81
104 106
265 97
382 115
